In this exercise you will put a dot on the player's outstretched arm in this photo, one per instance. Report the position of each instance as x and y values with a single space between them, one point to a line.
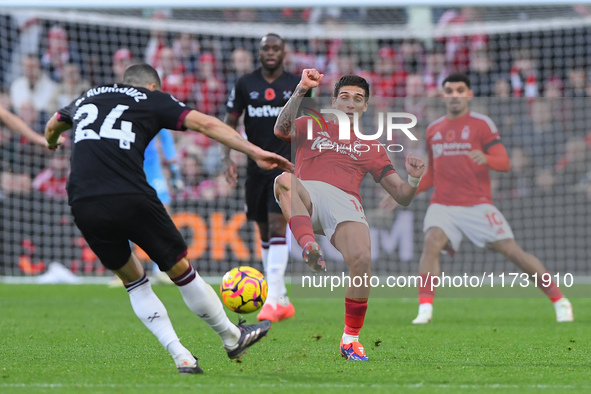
15 123
53 130
230 168
285 125
219 131
403 192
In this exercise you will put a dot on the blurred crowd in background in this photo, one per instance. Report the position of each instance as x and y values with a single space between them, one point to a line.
534 85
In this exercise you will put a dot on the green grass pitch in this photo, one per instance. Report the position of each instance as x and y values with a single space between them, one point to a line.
64 339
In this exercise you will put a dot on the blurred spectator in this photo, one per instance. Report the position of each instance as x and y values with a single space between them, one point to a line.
28 29
242 63
34 87
157 39
14 183
553 87
415 101
388 77
174 80
482 75
346 63
413 55
502 88
192 175
187 50
435 70
458 48
519 181
543 140
71 86
524 75
52 180
210 90
122 58
59 53
576 85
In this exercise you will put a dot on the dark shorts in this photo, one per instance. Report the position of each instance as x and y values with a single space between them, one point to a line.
260 197
108 224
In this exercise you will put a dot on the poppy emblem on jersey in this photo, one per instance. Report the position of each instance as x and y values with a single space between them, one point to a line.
450 135
269 94
317 117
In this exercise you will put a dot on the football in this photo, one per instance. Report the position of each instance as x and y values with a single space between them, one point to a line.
243 289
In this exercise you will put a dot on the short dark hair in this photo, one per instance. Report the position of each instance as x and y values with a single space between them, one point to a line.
457 77
274 35
141 74
351 80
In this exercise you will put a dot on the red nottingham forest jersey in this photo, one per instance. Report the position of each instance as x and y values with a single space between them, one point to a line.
457 179
342 164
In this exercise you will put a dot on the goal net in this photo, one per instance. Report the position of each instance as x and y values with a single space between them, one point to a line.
529 68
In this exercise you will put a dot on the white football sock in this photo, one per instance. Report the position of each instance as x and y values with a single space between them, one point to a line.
347 339
205 303
277 264
151 311
265 255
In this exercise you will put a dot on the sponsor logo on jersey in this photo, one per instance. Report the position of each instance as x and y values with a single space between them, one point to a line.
466 133
451 149
269 94
253 95
265 111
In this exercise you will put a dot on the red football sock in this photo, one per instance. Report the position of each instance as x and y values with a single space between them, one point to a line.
301 227
426 292
354 316
552 291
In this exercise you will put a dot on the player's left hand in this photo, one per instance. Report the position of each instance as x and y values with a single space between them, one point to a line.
45 144
478 156
414 166
270 161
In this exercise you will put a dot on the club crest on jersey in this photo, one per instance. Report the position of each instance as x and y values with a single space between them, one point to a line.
269 94
466 133
286 94
253 95
437 150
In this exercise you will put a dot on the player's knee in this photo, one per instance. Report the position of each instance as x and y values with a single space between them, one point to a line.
359 261
283 183
509 249
435 241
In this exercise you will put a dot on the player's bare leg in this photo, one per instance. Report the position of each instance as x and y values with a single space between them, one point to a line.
296 206
435 241
533 266
151 311
277 306
352 239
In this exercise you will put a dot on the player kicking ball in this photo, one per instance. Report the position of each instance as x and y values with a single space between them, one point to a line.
461 204
112 202
323 193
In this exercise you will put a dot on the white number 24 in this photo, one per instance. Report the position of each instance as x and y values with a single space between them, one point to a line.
124 135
